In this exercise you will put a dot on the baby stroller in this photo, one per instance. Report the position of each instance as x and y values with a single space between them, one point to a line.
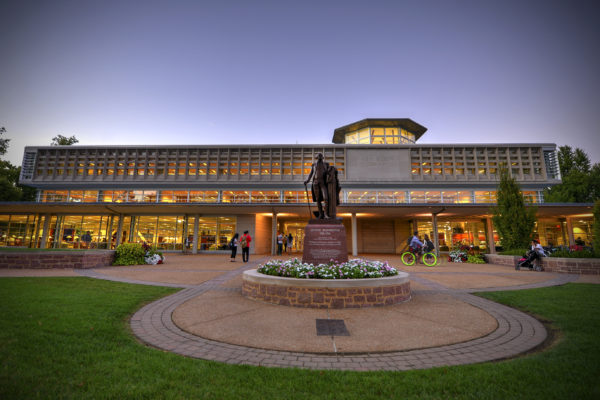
528 261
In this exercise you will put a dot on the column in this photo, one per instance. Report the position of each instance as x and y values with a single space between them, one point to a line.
119 231
45 231
274 234
354 236
435 234
490 234
570 231
196 227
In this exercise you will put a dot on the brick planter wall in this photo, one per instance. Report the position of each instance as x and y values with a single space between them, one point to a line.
57 259
584 266
325 293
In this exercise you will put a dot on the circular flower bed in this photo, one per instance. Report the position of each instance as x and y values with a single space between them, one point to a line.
353 269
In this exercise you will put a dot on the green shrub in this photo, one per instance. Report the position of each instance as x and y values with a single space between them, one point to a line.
574 254
130 254
476 259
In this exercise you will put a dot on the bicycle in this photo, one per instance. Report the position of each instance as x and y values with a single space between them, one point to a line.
410 258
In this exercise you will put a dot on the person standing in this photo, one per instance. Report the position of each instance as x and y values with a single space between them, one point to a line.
86 239
279 243
290 243
233 245
245 242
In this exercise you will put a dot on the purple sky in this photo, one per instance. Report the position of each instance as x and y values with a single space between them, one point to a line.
237 72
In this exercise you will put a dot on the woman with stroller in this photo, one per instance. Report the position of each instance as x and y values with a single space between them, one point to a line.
534 255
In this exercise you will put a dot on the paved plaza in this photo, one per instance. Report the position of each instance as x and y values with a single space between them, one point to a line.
443 323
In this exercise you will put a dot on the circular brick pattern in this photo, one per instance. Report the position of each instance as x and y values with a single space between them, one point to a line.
517 333
326 293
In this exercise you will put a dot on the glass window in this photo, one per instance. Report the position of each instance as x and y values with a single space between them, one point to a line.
530 196
235 196
76 196
361 196
166 196
150 196
265 196
180 196
417 196
90 196
551 232
582 231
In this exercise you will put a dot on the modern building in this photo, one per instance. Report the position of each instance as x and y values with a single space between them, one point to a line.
194 198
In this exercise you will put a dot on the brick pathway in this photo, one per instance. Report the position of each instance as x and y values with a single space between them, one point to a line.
517 333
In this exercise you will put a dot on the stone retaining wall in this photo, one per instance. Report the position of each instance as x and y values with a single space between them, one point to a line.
324 293
57 259
584 266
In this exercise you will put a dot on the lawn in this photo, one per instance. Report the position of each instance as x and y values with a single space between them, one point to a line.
69 338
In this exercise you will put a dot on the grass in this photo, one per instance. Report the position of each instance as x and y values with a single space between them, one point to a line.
69 338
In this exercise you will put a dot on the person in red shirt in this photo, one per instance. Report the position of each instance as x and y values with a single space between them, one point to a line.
245 243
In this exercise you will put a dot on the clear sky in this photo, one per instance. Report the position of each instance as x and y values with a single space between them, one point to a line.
238 72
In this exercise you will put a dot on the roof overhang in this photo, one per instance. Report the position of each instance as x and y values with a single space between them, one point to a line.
448 211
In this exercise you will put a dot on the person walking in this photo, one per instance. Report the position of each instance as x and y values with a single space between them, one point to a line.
279 243
290 243
233 245
245 242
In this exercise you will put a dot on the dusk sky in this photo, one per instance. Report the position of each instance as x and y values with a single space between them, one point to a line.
239 72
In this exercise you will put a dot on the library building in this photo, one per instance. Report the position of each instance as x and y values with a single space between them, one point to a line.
195 198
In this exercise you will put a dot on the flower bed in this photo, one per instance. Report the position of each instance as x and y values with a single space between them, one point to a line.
353 269
326 293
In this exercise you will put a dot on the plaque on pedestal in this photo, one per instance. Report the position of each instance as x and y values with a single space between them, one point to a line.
324 240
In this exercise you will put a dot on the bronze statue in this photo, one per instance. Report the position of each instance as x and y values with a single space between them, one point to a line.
325 187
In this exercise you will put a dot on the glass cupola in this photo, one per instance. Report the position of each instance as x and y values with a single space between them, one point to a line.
379 131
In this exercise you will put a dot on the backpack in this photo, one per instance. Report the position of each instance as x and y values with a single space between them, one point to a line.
244 242
231 244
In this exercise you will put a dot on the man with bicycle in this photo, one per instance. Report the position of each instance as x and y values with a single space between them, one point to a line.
415 245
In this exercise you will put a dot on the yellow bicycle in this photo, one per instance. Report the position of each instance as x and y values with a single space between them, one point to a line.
409 258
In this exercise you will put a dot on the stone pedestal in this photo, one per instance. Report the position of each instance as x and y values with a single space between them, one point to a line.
324 240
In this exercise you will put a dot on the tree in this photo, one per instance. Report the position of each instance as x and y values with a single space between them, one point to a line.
10 189
580 180
61 140
3 142
514 221
596 228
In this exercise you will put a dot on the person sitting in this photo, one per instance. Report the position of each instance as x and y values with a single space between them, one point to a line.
536 252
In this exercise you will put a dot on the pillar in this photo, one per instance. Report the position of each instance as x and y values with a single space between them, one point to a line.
354 236
119 231
435 234
490 234
570 234
274 234
45 231
196 227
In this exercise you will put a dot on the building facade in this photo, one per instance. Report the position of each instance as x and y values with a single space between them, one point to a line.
194 198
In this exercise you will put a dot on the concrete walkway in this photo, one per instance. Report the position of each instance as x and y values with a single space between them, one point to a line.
209 318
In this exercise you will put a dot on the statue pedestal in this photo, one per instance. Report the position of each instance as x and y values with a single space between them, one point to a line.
324 240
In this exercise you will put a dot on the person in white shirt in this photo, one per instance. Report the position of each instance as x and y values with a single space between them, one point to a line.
415 243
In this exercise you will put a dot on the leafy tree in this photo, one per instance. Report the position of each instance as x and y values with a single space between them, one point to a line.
3 142
596 228
580 180
10 189
512 219
61 140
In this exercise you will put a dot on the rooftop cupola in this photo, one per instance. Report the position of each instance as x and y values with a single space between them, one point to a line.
379 131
